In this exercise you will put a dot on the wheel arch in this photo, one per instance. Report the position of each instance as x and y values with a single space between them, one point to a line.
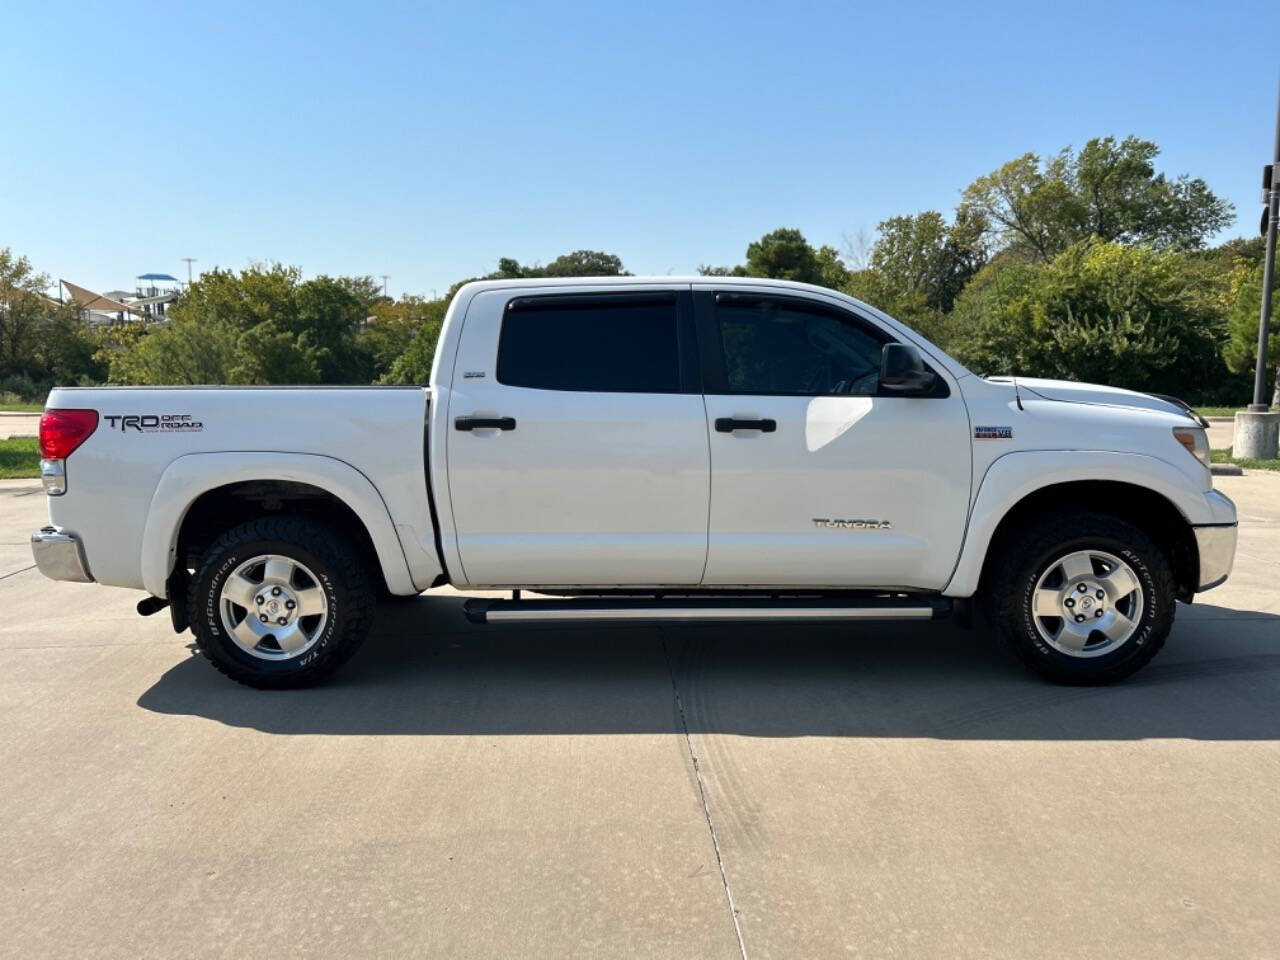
1150 512
1145 491
203 494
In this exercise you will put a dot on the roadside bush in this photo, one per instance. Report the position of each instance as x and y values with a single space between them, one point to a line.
20 388
1100 312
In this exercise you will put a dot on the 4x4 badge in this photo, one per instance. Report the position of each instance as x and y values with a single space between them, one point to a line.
993 433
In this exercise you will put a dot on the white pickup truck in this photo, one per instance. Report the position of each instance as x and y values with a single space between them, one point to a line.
650 450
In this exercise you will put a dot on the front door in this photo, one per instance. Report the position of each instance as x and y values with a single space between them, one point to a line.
577 450
816 478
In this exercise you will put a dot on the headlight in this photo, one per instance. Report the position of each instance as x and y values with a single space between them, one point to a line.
1195 442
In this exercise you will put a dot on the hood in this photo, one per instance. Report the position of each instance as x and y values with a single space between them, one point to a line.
1070 391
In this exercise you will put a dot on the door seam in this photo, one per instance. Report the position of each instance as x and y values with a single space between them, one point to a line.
706 425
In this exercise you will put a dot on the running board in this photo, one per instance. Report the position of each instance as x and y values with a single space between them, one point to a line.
692 609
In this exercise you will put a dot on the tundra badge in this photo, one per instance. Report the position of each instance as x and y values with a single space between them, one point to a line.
829 524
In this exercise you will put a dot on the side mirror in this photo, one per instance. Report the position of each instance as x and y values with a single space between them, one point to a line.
902 371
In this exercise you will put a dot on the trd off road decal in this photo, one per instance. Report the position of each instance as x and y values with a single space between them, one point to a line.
154 422
993 433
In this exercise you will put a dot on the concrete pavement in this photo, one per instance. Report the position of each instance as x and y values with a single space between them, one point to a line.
895 791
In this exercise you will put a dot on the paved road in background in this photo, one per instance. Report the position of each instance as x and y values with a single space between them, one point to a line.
1221 433
19 425
465 791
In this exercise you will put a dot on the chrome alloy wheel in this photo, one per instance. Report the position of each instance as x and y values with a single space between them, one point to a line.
1087 603
273 607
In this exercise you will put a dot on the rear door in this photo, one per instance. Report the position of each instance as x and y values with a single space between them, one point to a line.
816 478
577 450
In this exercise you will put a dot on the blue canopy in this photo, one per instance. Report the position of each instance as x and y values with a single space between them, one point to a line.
157 276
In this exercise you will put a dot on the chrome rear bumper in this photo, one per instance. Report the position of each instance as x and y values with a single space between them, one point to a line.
59 556
1217 545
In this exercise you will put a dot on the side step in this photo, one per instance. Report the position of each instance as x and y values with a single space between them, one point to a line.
690 609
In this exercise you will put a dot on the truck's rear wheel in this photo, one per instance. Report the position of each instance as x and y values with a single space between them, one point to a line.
1084 597
280 602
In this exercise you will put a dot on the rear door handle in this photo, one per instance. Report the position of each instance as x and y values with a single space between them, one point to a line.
730 424
484 423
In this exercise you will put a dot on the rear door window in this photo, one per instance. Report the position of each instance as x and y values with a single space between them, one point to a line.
622 343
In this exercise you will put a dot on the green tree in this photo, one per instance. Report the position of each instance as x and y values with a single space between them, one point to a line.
414 365
1109 190
366 290
183 352
1241 350
392 328
580 263
261 325
267 353
585 263
67 352
324 322
784 254
832 271
42 342
1100 312
924 257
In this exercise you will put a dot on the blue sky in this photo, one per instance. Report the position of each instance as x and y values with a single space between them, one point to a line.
424 140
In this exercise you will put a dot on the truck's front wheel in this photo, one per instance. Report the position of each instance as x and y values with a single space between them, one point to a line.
1084 597
280 602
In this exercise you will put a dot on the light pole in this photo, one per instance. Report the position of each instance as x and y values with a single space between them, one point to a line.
385 278
189 261
1271 197
1257 432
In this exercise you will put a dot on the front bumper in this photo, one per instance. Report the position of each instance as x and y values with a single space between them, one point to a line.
59 555
1216 540
1217 546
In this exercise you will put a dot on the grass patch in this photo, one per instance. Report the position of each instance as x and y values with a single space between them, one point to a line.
21 408
1224 456
1217 411
19 458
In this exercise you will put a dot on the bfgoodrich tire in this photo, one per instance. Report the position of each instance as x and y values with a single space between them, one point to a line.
280 602
1083 597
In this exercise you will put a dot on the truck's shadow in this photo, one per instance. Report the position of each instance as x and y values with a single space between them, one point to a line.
426 671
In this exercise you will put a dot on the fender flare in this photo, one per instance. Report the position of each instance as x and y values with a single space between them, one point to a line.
187 477
1017 474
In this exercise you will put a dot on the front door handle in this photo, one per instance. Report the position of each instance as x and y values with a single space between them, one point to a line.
484 423
730 424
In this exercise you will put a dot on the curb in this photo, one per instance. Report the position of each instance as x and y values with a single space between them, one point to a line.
1226 470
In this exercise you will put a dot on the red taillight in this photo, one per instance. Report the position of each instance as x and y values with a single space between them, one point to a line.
61 431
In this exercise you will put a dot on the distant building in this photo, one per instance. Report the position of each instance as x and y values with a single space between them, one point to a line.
149 302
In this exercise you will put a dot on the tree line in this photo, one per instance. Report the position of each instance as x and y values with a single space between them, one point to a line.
1088 265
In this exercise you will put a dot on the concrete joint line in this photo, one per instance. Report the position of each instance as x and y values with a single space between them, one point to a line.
702 796
16 572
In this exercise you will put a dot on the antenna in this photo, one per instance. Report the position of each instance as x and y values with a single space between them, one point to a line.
1016 395
385 278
